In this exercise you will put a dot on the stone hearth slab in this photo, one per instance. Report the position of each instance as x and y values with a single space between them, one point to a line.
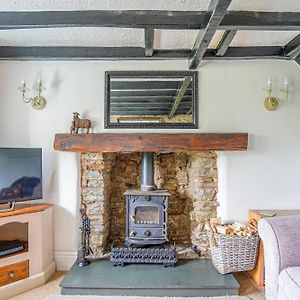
193 278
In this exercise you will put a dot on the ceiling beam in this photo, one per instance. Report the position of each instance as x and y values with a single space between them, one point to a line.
179 20
295 53
292 48
131 53
153 84
189 111
218 10
255 20
104 18
149 41
297 60
186 82
147 93
87 53
225 41
258 52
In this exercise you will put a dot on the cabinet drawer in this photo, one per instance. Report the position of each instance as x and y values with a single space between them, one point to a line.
14 272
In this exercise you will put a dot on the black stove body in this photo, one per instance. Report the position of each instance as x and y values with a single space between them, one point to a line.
146 217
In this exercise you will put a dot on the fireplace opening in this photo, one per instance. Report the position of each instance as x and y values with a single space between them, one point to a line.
190 179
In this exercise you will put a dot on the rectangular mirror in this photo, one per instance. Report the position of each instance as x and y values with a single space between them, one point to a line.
151 99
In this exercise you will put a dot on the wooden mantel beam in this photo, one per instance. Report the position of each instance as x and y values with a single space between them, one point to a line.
153 142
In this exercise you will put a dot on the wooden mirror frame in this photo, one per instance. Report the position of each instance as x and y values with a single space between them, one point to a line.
158 74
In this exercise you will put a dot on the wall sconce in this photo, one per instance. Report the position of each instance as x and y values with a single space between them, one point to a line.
38 102
272 103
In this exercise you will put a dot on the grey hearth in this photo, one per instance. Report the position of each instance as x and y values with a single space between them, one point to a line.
192 278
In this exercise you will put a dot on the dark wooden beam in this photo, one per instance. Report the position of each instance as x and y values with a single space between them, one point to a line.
104 18
225 42
143 112
260 52
180 20
147 93
149 41
292 49
189 111
131 53
179 96
153 99
255 20
87 53
218 9
295 53
297 60
156 142
149 85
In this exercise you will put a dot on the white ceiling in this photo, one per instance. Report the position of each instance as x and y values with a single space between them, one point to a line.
259 5
117 37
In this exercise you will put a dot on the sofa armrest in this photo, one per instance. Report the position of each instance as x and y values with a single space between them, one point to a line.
281 240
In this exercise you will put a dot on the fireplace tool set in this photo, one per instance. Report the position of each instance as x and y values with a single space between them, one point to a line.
84 248
146 238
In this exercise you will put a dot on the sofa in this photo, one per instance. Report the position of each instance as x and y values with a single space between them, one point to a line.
281 241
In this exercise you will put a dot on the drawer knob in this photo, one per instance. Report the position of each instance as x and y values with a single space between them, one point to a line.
132 233
148 198
11 274
147 233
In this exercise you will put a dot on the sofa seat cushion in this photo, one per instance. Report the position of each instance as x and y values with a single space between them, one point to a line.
289 283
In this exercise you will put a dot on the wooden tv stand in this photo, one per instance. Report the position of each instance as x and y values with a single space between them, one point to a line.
27 269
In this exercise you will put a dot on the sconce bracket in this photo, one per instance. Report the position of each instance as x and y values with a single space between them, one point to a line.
38 102
271 103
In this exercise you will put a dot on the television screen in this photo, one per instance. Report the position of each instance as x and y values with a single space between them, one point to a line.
20 174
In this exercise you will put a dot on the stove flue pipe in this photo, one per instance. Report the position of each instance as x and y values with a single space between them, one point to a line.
147 174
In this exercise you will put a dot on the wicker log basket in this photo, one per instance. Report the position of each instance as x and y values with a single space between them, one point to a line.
233 253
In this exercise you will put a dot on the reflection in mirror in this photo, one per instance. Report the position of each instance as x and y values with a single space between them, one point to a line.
151 99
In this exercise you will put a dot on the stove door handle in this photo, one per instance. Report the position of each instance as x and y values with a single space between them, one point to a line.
147 233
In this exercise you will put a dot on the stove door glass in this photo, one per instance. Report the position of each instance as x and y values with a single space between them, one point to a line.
146 215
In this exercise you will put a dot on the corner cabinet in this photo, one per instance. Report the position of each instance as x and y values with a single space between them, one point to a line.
33 266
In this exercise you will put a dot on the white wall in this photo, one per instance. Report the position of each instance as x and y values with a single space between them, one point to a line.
231 100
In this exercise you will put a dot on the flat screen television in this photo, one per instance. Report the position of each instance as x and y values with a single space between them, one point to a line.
20 174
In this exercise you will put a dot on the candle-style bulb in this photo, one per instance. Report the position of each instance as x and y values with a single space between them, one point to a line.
269 82
285 83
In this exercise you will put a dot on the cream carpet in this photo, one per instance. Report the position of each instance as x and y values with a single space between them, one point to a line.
61 297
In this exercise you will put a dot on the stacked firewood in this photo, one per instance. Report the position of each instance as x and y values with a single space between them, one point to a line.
215 226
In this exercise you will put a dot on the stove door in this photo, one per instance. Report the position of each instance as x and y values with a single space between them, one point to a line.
145 214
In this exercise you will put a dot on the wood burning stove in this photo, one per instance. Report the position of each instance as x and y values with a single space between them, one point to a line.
146 222
146 209
146 217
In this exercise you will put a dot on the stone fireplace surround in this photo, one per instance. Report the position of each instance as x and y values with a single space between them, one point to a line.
190 178
185 165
